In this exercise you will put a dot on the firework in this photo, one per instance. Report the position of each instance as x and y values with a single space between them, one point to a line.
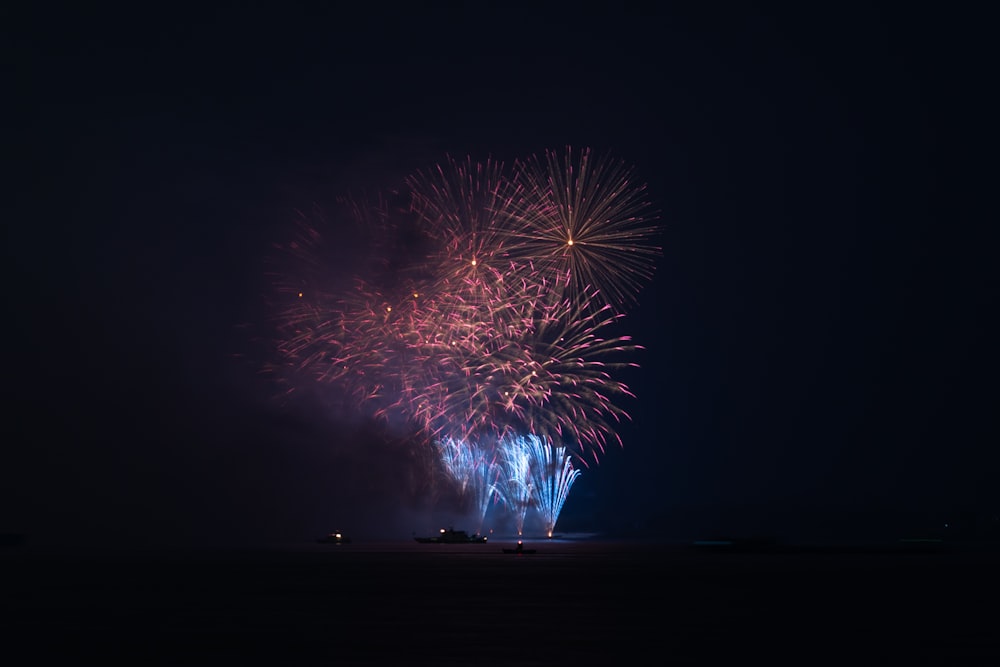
514 485
465 207
536 474
493 308
552 476
586 216
553 377
476 472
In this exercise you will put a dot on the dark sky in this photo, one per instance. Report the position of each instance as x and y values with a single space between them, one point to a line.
820 356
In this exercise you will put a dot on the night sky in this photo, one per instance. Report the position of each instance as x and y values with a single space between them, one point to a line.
820 361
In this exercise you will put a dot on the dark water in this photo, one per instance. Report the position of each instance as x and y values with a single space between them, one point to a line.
572 602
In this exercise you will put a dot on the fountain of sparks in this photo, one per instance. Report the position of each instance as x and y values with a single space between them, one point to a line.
515 480
475 471
552 476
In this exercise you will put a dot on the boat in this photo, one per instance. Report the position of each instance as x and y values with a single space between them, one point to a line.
452 536
519 549
335 537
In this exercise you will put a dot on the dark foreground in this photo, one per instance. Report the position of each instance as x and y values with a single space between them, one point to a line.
577 603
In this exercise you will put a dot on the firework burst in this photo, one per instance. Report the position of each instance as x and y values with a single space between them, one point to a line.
585 215
465 207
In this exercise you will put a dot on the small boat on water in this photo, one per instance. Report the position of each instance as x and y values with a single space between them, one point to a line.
335 537
452 536
519 549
